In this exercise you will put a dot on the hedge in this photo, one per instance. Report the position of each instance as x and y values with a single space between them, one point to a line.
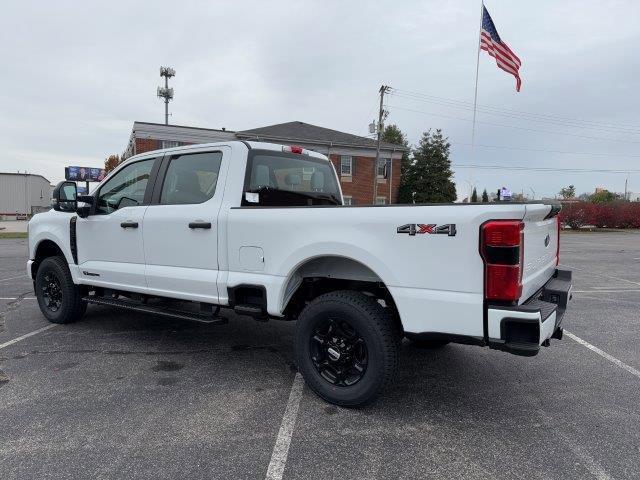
601 215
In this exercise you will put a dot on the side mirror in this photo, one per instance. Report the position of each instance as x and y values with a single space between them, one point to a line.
85 210
65 197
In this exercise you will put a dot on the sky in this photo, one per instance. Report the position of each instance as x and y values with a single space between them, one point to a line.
77 74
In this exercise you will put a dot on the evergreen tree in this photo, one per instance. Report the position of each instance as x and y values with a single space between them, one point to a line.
392 134
485 196
429 175
474 196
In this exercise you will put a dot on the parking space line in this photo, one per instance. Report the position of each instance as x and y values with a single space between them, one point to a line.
14 278
611 358
27 335
602 275
283 441
607 291
17 298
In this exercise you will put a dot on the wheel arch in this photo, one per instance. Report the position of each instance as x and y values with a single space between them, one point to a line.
320 274
45 248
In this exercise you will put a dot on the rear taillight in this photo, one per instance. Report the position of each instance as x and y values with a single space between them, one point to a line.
558 245
502 249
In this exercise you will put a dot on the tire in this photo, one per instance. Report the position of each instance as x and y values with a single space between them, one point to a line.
353 370
429 343
59 299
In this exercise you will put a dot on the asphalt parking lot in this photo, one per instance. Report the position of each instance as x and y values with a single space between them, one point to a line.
122 395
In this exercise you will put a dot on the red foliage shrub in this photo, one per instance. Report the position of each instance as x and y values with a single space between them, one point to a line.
629 215
601 215
575 215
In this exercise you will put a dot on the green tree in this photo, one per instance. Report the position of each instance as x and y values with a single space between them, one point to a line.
429 175
603 196
485 196
393 134
474 196
568 192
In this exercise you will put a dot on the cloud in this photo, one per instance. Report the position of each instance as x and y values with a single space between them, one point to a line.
78 74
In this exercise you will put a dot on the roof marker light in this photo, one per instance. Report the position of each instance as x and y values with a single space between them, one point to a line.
293 149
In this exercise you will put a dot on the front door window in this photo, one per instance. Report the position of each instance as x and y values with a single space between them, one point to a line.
126 188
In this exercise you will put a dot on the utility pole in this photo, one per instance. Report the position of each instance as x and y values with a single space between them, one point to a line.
381 114
166 92
626 181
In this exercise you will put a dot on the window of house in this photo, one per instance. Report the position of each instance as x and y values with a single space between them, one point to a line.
384 165
346 164
381 200
348 200
170 144
191 178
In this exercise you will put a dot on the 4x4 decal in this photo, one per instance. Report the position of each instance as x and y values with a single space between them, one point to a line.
432 228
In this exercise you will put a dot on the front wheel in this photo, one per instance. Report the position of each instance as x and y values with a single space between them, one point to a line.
346 347
60 300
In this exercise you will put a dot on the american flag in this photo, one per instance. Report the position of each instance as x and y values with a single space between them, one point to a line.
491 42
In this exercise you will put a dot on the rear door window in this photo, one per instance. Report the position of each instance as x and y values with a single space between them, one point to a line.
191 178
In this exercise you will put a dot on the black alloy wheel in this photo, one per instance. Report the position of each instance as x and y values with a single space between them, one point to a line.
51 291
338 352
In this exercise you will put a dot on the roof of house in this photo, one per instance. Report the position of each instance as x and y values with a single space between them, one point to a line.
163 125
301 131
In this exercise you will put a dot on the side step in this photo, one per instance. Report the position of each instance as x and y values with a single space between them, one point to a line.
163 310
251 310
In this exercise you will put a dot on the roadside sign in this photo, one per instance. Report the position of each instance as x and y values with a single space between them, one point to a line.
84 174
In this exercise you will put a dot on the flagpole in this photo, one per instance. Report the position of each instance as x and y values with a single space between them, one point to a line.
475 95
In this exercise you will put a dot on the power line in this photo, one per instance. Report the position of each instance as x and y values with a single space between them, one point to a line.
548 118
560 123
543 169
513 126
530 149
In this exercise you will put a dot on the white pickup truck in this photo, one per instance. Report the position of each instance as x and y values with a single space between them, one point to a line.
261 229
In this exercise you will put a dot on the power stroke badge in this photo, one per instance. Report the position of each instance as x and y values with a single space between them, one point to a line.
430 228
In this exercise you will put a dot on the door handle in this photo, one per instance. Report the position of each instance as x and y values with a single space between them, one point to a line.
198 224
129 224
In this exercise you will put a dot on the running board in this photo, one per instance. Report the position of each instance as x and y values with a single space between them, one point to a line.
157 310
251 310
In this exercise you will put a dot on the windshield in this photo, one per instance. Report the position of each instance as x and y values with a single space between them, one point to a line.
284 180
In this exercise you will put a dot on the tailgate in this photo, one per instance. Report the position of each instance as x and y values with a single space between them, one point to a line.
540 247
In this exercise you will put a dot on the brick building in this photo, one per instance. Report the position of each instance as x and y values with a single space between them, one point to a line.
353 156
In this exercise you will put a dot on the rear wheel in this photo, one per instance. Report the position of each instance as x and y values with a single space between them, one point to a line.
60 300
346 347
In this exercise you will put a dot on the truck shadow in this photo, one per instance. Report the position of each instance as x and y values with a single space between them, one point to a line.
455 381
